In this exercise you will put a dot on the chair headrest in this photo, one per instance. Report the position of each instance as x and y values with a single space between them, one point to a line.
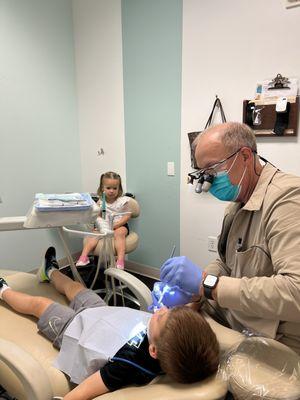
134 207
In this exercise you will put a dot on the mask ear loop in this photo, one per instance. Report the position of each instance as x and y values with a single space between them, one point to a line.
239 184
242 176
233 162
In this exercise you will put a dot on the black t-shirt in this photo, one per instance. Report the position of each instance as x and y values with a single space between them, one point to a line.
117 374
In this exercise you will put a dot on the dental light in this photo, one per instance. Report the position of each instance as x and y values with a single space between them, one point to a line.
159 293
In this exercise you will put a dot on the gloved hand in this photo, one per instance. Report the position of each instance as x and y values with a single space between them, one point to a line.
164 295
181 272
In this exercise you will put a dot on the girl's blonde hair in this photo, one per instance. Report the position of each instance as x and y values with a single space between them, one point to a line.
110 175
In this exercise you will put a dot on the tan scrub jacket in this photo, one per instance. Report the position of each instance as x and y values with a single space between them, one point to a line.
259 265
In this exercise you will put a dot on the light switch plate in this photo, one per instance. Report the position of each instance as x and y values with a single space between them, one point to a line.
171 168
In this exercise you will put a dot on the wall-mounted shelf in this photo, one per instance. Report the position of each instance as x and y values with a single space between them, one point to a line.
268 119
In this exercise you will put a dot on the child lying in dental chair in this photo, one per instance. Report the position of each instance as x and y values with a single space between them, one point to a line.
104 348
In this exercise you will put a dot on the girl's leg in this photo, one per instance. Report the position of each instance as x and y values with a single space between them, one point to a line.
119 236
89 245
26 304
65 285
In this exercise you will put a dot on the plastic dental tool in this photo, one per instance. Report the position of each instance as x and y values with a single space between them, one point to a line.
103 206
166 289
173 251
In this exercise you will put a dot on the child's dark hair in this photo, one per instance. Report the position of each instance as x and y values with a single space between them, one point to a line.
187 349
110 175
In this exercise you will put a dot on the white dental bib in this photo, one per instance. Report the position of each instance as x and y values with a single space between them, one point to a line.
94 336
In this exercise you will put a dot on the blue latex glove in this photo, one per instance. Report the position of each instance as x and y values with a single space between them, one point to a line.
164 295
181 272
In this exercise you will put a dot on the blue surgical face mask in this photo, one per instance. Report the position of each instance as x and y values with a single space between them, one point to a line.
222 188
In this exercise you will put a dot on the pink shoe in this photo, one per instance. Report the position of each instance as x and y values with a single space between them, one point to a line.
82 261
120 264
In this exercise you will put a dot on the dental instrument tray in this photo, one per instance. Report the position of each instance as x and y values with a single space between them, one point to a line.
63 202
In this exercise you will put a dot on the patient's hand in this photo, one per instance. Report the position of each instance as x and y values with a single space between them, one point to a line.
164 295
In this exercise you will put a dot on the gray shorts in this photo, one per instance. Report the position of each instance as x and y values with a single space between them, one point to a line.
54 321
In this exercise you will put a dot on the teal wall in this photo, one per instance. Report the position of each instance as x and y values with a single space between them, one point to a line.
39 137
152 38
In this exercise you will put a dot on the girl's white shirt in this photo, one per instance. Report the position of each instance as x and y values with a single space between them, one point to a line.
118 206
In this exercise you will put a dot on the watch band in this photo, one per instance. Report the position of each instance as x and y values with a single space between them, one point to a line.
208 292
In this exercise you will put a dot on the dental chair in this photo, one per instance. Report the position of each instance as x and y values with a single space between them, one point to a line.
26 357
251 370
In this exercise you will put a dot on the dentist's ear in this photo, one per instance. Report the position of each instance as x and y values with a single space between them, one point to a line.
246 153
153 351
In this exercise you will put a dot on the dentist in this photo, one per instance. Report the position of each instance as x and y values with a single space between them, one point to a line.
255 282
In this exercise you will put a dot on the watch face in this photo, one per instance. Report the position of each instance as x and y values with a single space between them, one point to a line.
210 280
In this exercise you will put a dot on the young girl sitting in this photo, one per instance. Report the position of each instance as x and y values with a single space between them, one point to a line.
110 192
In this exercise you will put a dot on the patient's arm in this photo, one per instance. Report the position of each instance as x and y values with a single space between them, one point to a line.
90 388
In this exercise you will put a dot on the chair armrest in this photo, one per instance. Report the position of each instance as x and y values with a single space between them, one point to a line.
79 233
226 337
163 388
28 370
138 288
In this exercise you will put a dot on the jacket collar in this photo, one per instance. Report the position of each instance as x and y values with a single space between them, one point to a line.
258 195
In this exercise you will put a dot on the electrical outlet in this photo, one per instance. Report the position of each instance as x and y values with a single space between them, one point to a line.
212 244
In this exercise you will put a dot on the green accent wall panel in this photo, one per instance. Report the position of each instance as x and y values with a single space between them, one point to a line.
152 43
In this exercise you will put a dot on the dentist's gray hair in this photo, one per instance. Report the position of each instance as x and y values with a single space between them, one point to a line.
237 135
233 135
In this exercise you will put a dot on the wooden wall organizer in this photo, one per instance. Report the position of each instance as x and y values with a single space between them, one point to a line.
268 118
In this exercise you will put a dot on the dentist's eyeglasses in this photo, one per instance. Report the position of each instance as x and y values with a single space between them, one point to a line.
205 176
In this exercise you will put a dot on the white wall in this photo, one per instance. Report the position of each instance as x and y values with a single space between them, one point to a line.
99 72
229 46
